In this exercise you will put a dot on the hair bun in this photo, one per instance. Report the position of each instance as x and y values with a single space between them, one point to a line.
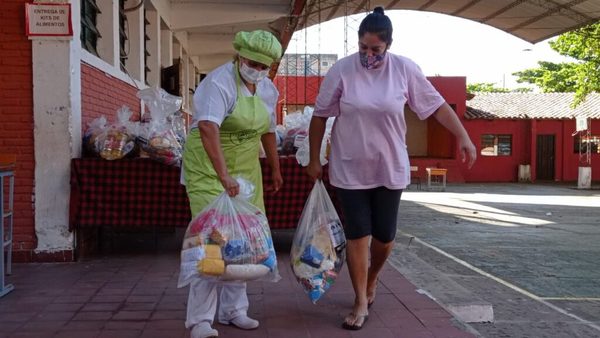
378 10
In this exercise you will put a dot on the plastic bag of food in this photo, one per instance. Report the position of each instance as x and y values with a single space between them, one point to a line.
229 240
95 129
303 152
318 250
178 126
296 130
118 140
159 139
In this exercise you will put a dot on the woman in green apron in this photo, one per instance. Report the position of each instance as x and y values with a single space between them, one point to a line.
233 114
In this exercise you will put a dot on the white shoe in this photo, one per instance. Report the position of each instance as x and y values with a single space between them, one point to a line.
243 322
203 330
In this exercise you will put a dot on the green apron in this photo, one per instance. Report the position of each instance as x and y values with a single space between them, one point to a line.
240 135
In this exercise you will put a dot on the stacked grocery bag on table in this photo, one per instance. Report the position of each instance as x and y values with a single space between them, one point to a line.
161 139
113 141
318 249
229 240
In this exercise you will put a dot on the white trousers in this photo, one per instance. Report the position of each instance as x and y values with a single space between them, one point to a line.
202 301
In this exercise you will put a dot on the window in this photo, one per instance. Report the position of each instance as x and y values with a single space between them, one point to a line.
123 33
146 52
583 142
89 31
325 64
496 145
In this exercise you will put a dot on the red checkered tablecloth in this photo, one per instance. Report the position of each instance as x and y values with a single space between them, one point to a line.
127 193
145 193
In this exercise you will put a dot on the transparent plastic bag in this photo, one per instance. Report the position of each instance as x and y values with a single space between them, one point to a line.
95 129
116 141
229 240
296 130
178 126
161 138
319 246
303 152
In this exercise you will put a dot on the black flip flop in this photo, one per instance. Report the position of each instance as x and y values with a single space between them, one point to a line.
355 327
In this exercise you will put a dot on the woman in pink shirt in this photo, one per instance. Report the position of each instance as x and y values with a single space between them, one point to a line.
369 164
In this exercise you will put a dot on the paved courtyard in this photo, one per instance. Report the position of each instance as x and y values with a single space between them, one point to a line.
528 250
531 250
135 295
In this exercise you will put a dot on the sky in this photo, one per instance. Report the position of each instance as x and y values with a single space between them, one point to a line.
441 44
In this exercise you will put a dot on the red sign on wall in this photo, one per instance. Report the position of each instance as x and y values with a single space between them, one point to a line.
48 19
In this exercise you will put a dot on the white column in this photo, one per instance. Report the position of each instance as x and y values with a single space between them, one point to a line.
166 48
190 82
177 50
184 76
106 23
57 133
135 60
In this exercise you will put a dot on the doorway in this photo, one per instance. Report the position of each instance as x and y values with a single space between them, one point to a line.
545 158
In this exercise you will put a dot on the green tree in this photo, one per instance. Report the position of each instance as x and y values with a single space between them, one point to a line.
551 77
581 76
522 90
485 87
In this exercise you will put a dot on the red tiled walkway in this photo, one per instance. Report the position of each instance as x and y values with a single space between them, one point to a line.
136 296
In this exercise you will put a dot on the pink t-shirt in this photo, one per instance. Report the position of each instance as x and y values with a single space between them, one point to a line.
368 138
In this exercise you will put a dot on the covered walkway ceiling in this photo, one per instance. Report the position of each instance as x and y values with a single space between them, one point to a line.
209 25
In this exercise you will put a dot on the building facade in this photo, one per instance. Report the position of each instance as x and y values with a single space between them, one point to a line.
538 130
54 86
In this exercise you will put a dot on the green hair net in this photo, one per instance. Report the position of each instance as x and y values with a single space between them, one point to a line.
259 45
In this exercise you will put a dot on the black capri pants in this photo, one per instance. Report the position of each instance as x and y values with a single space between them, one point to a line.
370 212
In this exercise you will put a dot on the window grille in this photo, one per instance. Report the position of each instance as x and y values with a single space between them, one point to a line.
89 32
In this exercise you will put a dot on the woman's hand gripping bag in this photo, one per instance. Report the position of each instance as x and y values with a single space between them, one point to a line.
229 240
318 249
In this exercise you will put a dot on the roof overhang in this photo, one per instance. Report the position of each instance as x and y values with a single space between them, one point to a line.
211 24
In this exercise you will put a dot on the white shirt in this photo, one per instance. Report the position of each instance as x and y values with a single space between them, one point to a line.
216 95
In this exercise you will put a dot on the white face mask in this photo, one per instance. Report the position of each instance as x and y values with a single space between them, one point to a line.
252 75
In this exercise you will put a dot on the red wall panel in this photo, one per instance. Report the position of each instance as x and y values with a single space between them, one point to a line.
498 168
16 109
570 159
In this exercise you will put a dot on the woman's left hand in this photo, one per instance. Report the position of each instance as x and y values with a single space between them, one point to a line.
276 181
467 150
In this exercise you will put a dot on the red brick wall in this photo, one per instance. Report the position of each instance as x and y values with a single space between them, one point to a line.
16 110
103 94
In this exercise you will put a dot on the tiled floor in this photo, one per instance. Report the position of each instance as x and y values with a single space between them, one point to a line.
135 295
